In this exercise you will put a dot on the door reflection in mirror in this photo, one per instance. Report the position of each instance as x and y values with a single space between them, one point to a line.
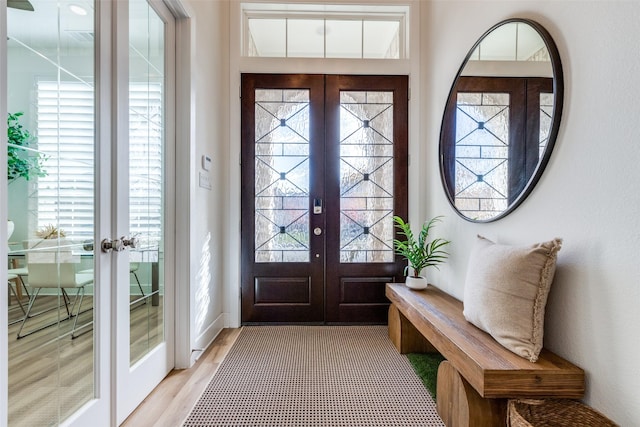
501 120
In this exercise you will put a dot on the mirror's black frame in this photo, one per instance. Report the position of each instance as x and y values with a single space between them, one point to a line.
447 160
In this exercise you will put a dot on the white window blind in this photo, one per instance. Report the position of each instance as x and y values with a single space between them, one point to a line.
66 134
65 196
145 162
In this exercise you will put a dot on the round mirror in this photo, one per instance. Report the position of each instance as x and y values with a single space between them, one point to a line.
501 120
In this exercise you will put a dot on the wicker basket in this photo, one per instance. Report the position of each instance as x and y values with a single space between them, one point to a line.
554 413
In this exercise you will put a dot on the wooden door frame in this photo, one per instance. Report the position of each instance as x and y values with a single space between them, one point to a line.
372 311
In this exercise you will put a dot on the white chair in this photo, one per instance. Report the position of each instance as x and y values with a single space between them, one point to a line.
20 272
133 269
13 278
52 265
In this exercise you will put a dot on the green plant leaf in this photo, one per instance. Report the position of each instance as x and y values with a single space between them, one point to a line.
22 160
420 253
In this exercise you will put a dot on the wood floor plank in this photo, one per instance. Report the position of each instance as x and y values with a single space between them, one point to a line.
51 371
170 403
50 375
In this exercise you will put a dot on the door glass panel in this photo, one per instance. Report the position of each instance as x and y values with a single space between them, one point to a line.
482 154
282 175
366 176
146 178
51 98
546 114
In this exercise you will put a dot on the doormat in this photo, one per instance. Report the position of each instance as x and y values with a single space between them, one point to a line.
329 376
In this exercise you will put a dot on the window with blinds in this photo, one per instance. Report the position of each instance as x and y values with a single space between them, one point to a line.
66 136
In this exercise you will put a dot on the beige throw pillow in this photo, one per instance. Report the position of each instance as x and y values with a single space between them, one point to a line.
506 292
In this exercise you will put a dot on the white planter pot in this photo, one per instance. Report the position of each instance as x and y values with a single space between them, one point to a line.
416 282
10 227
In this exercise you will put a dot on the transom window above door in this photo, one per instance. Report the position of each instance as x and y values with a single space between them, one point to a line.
325 31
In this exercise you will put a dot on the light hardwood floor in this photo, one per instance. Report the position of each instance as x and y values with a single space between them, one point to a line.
170 403
50 374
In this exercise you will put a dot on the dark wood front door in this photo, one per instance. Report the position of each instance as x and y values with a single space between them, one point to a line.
324 169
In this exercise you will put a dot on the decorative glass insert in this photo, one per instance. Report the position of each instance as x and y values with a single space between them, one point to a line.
366 177
282 175
546 114
482 153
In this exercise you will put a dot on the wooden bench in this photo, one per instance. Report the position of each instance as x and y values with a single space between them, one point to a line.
479 374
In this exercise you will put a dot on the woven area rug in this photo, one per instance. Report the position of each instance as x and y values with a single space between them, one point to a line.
322 376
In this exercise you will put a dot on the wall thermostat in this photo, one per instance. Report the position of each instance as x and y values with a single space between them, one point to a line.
206 162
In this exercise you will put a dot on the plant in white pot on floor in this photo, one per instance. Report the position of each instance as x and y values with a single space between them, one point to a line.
420 253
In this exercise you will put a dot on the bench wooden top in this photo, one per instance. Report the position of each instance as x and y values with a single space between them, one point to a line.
490 368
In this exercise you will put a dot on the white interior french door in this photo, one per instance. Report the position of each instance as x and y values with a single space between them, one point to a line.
144 201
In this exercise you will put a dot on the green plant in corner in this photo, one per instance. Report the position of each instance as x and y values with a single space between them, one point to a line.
22 161
420 253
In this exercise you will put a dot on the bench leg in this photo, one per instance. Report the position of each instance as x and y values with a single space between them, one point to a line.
405 336
459 405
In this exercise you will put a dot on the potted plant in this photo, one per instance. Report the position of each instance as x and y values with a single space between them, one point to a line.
22 161
420 253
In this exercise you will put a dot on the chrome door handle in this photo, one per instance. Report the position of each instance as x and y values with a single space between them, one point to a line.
118 245
132 242
108 245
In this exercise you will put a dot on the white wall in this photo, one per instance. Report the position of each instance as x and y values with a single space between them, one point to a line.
587 195
210 97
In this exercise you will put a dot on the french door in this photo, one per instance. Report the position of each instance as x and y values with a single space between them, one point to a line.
92 86
324 170
145 203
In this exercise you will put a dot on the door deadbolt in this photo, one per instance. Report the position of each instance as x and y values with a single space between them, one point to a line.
317 231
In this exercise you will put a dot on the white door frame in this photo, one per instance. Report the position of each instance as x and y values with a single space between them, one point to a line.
239 64
4 303
185 154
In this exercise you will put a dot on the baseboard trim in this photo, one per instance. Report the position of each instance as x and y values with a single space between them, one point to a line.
204 340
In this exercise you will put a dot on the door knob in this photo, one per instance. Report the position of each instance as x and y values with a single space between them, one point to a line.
132 242
108 245
118 245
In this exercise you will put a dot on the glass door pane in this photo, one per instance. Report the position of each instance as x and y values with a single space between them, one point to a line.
146 177
482 153
51 193
282 175
366 177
